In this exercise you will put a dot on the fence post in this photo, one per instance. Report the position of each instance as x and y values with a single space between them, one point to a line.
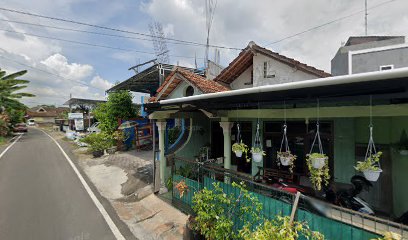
294 208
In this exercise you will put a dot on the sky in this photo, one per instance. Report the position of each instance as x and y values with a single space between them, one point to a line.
58 69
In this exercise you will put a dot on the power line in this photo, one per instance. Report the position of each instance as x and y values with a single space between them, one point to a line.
111 28
327 23
88 44
50 73
91 32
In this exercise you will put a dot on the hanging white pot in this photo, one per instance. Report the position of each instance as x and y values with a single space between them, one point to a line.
238 153
372 175
285 161
403 152
257 157
318 163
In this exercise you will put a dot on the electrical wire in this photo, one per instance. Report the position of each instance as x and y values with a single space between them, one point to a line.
327 23
112 29
89 44
91 32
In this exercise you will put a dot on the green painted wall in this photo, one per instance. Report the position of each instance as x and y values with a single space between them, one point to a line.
344 149
399 167
200 136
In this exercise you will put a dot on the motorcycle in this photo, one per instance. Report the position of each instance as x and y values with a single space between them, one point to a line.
348 198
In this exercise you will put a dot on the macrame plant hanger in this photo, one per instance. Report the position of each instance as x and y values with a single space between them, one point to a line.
257 140
371 150
284 147
317 136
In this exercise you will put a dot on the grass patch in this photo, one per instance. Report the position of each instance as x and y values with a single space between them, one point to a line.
3 140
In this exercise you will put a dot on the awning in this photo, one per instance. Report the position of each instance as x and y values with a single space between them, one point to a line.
388 86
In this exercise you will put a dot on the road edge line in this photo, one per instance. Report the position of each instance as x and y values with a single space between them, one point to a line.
115 230
9 146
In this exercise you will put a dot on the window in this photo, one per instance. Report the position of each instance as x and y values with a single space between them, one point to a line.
386 67
189 91
265 70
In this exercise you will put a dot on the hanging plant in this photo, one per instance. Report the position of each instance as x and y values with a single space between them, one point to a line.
239 149
286 159
257 154
370 167
318 173
402 146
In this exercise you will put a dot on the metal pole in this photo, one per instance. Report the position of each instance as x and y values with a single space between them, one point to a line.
366 18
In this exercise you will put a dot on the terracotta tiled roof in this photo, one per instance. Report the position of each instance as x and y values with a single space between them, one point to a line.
179 75
245 59
49 111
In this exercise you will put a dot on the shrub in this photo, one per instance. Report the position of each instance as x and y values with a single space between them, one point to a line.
98 141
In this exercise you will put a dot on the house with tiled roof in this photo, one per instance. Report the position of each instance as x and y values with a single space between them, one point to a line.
44 114
258 66
183 83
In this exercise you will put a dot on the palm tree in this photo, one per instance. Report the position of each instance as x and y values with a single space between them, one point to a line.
10 87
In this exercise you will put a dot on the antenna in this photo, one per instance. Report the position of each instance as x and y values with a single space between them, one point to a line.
210 6
159 42
366 17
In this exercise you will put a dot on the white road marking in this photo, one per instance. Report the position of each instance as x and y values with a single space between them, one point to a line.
7 148
97 203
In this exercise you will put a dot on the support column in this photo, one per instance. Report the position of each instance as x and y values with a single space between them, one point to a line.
226 129
161 126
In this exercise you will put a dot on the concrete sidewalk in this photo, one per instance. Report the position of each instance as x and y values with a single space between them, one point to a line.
125 180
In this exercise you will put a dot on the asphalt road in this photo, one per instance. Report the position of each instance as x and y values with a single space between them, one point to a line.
42 198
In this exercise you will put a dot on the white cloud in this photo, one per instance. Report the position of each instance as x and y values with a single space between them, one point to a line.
100 83
60 64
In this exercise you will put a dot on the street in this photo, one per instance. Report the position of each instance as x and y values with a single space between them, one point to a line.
41 197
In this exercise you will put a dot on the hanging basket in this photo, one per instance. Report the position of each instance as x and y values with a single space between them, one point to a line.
319 162
286 158
372 175
257 157
238 153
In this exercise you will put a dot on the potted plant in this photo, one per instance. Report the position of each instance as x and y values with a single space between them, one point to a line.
318 165
97 143
286 159
280 228
370 167
239 148
257 154
317 160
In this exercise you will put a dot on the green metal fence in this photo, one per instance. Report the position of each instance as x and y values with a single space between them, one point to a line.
274 201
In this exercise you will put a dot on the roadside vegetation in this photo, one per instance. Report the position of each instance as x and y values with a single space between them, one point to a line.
11 109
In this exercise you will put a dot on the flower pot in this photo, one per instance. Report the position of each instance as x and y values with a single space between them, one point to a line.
285 161
97 153
238 153
403 152
372 175
190 233
318 163
257 157
111 150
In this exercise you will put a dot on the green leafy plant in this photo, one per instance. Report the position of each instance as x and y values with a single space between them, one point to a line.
287 156
173 134
370 163
280 228
318 176
239 147
98 141
118 106
389 236
258 150
215 211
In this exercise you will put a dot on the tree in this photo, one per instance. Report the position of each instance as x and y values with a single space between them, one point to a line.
10 87
118 106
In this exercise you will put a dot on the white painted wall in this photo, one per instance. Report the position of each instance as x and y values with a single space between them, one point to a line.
283 73
245 77
180 89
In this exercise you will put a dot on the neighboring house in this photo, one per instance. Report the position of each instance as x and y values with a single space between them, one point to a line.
46 114
370 54
269 89
182 83
258 66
